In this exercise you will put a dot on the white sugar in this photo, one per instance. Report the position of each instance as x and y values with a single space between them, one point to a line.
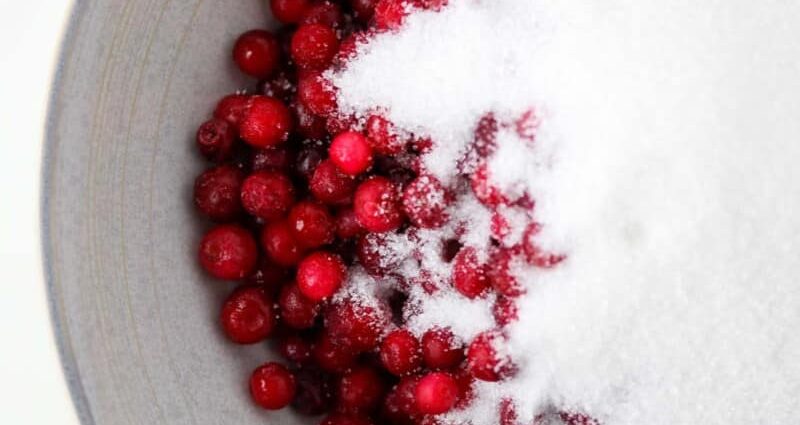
666 167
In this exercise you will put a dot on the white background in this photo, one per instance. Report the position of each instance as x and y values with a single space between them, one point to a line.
32 388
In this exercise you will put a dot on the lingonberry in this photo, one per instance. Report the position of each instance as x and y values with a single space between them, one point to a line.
324 13
330 185
215 139
216 193
282 86
486 192
347 226
355 325
297 311
257 53
272 386
228 252
295 349
309 125
281 246
436 393
316 94
508 412
374 254
309 157
231 108
389 14
268 275
289 11
504 310
247 316
333 357
383 137
312 224
400 353
377 206
314 46
266 122
483 360
534 254
399 405
273 159
314 391
351 153
363 9
267 194
360 389
426 202
320 275
502 272
441 349
469 274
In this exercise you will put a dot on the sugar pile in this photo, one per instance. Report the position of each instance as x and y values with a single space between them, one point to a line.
665 166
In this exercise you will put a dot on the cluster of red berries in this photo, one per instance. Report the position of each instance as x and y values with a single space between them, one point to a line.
301 193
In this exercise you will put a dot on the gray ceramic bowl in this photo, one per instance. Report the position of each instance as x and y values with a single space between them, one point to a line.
136 321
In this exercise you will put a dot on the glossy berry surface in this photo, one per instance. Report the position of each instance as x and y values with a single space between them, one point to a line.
216 193
330 185
272 386
312 224
289 11
436 393
351 153
282 248
247 315
377 205
441 350
266 122
228 252
257 53
297 311
320 275
400 352
314 46
267 194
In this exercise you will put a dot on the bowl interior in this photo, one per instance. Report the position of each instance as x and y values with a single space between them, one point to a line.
135 319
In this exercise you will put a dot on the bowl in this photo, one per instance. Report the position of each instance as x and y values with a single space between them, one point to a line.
135 319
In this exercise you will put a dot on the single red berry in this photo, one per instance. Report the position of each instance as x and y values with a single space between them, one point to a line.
257 53
363 9
360 389
347 226
436 393
231 108
320 275
295 349
333 357
441 350
502 272
426 202
228 252
389 14
508 413
400 353
483 360
309 125
351 153
345 419
316 94
272 386
534 254
324 13
247 316
267 194
375 256
289 11
309 157
266 122
486 192
399 405
354 325
281 246
273 159
311 224
215 139
216 193
377 206
383 137
314 46
297 311
469 274
314 391
504 310
330 185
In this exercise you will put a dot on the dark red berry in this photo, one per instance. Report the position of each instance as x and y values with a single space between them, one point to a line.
441 350
360 389
399 405
279 242
389 14
502 270
314 46
282 86
426 202
400 353
266 122
534 254
469 274
308 159
316 94
345 419
436 393
375 256
324 13
363 9
383 137
314 392
272 386
273 159
269 276
330 185
267 194
504 310
351 153
483 360
295 349
309 125
215 139
376 204
257 53
573 418
355 325
333 357
216 193
311 224
289 11
297 311
228 252
247 316
320 275
485 142
231 108
508 413
347 226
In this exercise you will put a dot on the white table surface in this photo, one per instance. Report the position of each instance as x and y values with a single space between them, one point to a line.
32 388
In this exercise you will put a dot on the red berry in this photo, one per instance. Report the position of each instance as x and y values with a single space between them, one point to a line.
273 159
484 190
465 382
257 53
320 275
351 153
314 46
295 349
309 125
360 389
228 252
483 360
426 202
499 226
399 405
314 393
345 419
534 254
389 14
501 272
363 9
297 311
436 393
330 185
377 206
231 108
485 142
441 350
347 226
469 275
216 193
289 11
323 13
374 255
272 386
311 224
355 325
383 137
281 246
400 352
316 94
504 310
215 139
267 194
266 122
333 357
268 275
247 315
